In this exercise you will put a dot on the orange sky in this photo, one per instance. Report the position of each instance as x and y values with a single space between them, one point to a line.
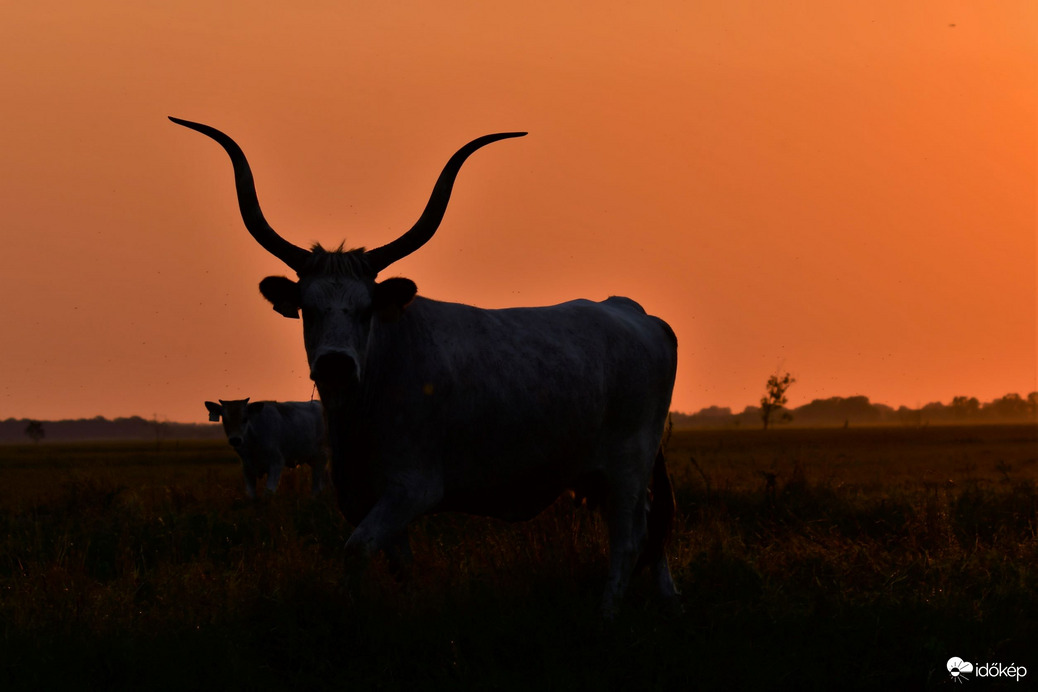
843 190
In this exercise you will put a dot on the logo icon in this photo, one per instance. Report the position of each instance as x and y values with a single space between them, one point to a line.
958 668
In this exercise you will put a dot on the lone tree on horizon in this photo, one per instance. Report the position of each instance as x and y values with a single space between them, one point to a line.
775 399
34 431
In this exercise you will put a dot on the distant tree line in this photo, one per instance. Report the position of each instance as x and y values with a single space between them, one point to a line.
17 430
854 410
858 410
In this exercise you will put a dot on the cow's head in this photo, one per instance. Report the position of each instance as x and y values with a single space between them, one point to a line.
235 416
337 291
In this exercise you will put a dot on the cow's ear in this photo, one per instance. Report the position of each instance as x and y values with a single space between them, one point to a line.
392 296
215 410
254 407
283 294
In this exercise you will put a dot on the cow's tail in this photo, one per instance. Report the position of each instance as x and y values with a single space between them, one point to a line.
661 514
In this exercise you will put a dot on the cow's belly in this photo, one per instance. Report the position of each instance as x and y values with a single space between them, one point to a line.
517 502
522 496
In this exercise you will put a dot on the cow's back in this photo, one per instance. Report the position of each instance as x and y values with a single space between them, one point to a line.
515 399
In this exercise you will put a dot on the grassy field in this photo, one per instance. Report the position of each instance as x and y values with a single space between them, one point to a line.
808 559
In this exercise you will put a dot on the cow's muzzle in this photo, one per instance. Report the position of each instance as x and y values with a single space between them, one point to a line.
335 367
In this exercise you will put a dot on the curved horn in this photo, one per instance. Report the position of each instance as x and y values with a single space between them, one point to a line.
248 203
429 221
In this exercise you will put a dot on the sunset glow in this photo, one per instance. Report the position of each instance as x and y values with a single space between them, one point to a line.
844 191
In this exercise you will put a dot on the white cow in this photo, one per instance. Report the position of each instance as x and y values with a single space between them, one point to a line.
272 435
436 406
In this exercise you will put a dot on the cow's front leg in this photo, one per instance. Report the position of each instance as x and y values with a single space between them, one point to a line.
400 556
319 477
250 483
274 475
385 526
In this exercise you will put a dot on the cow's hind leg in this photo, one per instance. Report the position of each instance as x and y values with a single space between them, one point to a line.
626 514
639 522
662 508
625 517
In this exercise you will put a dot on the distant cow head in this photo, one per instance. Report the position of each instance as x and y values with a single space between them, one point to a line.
337 291
235 416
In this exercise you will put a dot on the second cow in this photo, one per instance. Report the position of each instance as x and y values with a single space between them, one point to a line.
272 435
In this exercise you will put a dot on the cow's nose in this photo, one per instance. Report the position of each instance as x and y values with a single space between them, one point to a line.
235 441
334 367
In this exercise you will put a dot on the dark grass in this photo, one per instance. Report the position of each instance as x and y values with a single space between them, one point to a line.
868 559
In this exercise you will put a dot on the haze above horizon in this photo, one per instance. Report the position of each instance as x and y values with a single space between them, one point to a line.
844 191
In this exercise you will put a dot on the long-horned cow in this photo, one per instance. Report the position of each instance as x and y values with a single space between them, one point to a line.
269 436
435 406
